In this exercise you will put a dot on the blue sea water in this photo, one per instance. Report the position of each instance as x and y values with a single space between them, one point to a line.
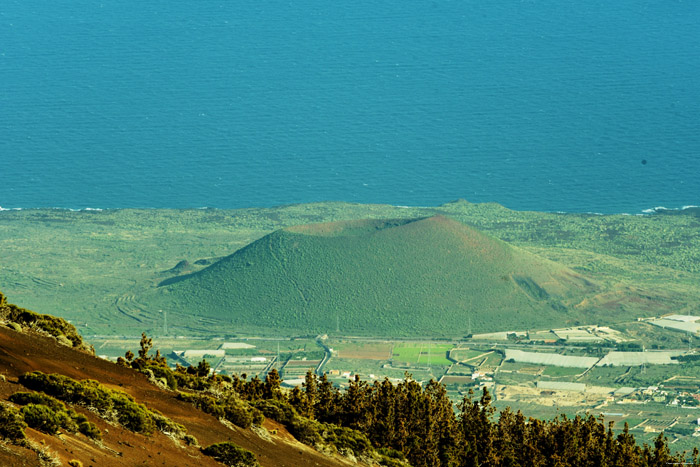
555 105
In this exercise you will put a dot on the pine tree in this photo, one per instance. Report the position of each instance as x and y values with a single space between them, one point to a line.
326 406
310 394
146 345
271 388
353 405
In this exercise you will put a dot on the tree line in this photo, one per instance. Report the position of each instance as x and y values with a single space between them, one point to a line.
408 422
421 423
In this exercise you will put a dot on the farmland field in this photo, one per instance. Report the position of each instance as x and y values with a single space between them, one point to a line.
467 355
557 371
362 350
422 354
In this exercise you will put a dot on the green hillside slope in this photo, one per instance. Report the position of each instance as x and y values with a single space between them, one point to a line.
431 276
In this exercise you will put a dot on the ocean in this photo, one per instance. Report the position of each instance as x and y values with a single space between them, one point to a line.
551 105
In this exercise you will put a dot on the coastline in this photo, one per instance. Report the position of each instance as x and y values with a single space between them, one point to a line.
643 212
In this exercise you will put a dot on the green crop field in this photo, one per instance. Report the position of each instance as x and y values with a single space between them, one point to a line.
422 354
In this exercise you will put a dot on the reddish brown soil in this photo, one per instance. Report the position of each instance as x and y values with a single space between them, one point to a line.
368 351
20 353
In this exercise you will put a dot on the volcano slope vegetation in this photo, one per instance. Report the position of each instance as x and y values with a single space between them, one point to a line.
427 276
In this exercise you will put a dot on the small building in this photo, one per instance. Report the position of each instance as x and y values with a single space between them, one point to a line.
258 359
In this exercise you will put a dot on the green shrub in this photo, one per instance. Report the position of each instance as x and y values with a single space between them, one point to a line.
75 463
12 425
65 417
232 409
203 402
87 392
346 439
305 430
133 416
167 426
258 417
391 453
164 372
78 417
190 381
24 398
44 418
276 409
391 462
230 454
190 440
238 413
312 432
52 325
90 430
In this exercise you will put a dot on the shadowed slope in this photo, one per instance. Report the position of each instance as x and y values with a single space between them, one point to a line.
380 277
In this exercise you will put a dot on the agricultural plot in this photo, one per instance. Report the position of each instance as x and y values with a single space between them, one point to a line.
298 368
515 378
683 318
679 323
456 380
656 357
553 359
652 337
467 355
488 362
236 346
362 350
561 386
610 334
577 335
543 336
513 367
371 369
561 372
500 336
113 347
240 367
422 354
603 375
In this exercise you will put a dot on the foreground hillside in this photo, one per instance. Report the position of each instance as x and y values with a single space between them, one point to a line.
428 276
62 406
122 443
